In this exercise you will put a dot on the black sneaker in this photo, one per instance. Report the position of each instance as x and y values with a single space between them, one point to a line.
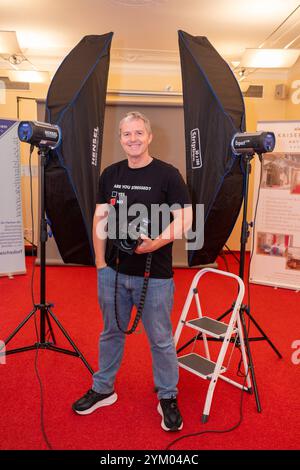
93 400
171 417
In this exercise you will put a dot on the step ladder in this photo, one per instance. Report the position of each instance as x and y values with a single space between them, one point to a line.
203 366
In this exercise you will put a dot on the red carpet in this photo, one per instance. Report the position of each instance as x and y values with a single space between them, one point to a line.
133 422
296 189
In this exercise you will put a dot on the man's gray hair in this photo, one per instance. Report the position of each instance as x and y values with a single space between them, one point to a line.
134 116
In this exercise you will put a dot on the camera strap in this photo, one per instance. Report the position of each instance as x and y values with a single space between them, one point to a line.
142 298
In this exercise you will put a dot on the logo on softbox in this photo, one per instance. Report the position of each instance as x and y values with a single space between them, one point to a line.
95 146
196 149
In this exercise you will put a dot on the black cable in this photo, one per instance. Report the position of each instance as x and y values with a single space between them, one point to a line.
32 225
35 320
253 229
215 431
248 306
239 370
49 446
142 298
232 428
232 253
31 243
223 256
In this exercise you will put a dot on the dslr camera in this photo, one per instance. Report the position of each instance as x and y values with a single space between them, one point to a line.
129 235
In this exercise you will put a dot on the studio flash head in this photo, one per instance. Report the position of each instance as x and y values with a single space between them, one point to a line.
250 143
40 134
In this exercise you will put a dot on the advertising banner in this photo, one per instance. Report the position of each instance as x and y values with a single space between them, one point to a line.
12 254
276 249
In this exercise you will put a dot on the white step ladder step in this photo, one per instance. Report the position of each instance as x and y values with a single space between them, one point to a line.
198 365
209 326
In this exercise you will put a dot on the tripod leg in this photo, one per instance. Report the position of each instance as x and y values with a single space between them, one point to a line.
50 327
224 314
250 361
263 333
70 341
244 353
7 340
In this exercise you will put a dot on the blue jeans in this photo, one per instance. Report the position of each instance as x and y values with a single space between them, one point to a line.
156 321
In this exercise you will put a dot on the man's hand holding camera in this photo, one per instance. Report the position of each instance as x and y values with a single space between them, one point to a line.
181 224
147 245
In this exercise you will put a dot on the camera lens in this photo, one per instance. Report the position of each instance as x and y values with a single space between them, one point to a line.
126 243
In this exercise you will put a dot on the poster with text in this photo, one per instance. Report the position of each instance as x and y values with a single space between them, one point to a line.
12 256
276 238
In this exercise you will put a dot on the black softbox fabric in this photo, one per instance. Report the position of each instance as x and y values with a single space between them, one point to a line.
213 112
76 102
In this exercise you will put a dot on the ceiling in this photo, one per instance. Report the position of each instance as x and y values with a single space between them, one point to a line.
146 30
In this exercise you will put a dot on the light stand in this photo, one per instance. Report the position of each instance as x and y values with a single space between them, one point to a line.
247 157
244 308
43 307
244 237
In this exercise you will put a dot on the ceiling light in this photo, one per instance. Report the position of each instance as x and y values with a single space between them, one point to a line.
137 3
10 49
269 58
32 76
9 43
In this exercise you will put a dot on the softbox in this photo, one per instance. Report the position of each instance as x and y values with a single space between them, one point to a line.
76 102
213 112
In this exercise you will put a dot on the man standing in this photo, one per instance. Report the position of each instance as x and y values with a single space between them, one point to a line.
139 179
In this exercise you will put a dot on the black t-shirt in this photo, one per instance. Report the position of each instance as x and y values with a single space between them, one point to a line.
152 185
